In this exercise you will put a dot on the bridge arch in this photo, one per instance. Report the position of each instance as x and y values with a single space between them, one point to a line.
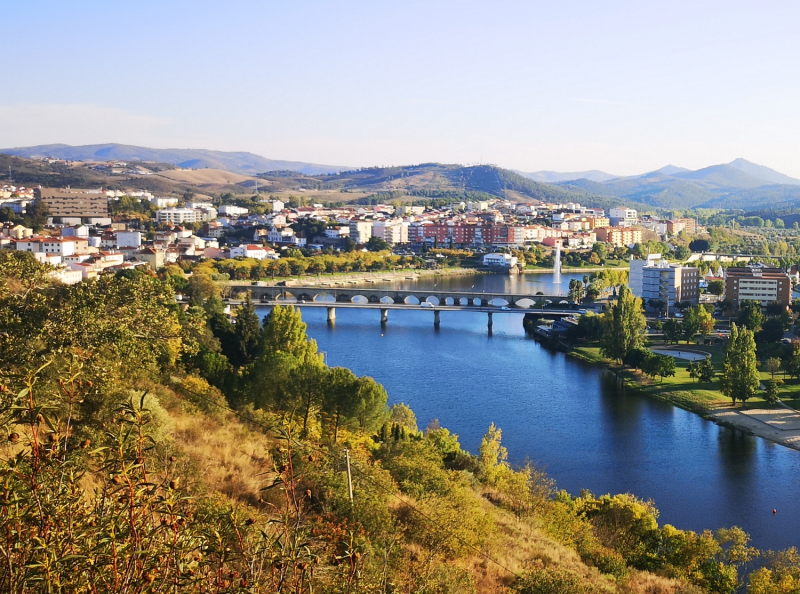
324 297
525 303
411 300
433 300
359 299
387 300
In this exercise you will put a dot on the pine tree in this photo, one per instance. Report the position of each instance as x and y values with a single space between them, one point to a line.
705 371
248 333
740 377
284 331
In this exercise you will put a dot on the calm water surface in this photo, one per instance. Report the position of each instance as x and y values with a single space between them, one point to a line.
570 418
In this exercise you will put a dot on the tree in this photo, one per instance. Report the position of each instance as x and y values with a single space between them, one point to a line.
247 332
699 245
740 378
705 371
371 407
636 358
665 366
682 253
691 322
308 383
316 267
673 330
284 331
201 287
492 455
716 287
693 370
705 321
37 215
750 314
341 397
377 244
623 326
772 391
791 365
771 331
576 291
402 414
772 366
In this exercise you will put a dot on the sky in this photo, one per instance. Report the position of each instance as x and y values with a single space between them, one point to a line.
621 86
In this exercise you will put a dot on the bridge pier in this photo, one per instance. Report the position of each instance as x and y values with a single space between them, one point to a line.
436 320
490 321
331 315
384 316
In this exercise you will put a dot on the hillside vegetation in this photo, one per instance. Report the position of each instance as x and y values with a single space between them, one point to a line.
434 180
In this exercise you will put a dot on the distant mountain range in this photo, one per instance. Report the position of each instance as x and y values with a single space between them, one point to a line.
552 177
739 184
236 162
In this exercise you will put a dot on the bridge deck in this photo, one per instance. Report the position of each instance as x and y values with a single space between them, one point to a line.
400 306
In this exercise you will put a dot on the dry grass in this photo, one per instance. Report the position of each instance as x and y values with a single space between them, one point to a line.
230 458
204 176
517 547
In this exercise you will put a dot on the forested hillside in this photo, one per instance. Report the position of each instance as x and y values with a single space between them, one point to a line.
151 448
434 179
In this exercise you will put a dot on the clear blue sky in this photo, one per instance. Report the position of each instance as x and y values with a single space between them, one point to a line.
621 86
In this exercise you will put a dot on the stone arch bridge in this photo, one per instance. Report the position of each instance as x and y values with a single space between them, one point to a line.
377 297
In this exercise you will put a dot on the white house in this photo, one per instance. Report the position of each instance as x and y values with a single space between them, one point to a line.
79 231
504 260
232 211
129 239
280 235
257 252
337 232
162 202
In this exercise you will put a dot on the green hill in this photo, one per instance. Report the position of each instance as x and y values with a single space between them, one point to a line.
433 179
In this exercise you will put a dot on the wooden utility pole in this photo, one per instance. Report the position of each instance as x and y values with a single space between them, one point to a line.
349 476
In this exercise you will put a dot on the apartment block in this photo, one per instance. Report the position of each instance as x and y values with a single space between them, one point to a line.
658 280
619 236
758 283
623 217
73 207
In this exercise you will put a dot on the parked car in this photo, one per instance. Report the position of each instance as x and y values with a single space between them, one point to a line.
426 304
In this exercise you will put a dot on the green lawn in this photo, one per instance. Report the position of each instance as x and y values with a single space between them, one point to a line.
681 389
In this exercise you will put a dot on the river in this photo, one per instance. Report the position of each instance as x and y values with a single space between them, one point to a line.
570 418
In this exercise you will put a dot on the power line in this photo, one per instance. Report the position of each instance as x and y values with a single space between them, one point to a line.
378 486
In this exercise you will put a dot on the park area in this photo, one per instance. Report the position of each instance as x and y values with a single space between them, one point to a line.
778 422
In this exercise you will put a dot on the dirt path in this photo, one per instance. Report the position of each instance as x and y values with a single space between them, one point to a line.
781 426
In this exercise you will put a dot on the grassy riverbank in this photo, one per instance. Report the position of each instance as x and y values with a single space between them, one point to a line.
770 421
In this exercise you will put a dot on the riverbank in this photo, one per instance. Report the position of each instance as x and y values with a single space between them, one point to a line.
364 277
774 422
